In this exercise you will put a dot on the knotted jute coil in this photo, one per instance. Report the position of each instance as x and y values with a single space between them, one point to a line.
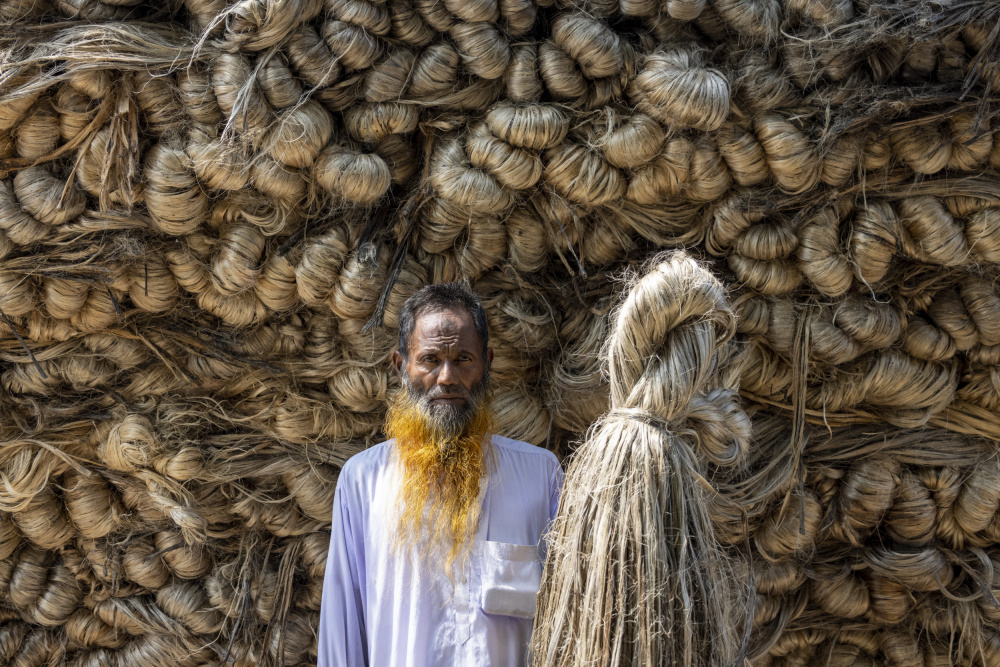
899 504
633 563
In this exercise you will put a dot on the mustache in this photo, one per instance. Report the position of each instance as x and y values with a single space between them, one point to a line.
439 390
449 421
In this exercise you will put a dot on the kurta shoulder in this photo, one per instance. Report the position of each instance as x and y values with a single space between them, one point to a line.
524 448
367 462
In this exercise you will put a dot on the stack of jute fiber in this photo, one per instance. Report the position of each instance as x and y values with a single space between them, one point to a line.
211 213
862 546
879 549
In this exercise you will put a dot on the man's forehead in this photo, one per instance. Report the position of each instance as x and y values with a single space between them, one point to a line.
455 325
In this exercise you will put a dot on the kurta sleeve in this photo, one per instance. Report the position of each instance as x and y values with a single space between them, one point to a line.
342 638
555 488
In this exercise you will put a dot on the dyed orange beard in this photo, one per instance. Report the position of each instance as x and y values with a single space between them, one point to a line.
439 490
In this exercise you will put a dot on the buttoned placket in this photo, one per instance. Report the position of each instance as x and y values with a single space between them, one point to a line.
463 599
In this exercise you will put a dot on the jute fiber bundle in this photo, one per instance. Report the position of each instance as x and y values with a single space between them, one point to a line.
635 573
211 212
882 553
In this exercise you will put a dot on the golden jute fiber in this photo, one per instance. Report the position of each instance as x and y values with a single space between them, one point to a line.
211 213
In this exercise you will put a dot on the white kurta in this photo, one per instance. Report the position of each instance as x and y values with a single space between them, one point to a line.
383 610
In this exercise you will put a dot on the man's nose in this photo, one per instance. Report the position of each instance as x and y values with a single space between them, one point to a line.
446 374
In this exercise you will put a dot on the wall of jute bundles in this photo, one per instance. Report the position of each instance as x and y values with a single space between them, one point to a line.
204 204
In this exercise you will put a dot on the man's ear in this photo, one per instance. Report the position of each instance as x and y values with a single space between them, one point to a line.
489 357
397 361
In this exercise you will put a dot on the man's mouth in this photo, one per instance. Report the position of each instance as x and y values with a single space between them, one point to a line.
448 400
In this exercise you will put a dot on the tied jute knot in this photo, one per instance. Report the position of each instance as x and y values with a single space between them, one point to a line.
644 416
668 329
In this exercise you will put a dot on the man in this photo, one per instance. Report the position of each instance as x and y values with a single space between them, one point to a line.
435 554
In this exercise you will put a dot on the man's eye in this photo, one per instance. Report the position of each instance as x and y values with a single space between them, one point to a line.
427 360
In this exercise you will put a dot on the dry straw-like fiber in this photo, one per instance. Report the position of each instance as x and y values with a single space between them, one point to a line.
884 560
635 573
211 214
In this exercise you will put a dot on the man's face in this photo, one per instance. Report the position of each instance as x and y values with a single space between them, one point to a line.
445 369
441 424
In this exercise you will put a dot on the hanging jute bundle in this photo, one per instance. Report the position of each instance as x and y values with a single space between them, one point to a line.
635 573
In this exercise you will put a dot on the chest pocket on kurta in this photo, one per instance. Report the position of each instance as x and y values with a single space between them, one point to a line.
510 575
